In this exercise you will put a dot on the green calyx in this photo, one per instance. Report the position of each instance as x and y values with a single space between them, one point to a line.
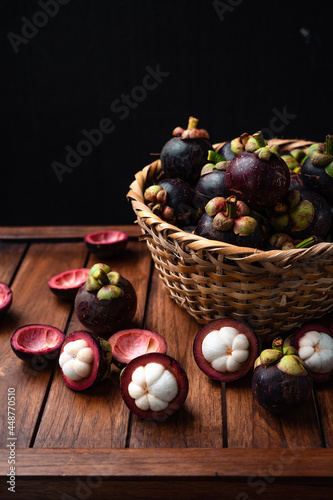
106 348
283 356
109 292
216 162
302 216
255 142
265 153
322 154
105 282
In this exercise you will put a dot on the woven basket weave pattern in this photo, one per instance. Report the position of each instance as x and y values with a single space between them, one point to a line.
273 291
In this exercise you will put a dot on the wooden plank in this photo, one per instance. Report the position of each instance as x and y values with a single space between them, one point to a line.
324 396
11 254
200 463
199 422
251 426
33 303
97 417
60 232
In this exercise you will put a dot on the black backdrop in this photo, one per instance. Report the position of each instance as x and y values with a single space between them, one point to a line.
90 88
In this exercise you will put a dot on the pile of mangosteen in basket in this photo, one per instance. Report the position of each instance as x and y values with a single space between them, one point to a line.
246 193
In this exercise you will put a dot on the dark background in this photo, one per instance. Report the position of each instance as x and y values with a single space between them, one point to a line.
236 65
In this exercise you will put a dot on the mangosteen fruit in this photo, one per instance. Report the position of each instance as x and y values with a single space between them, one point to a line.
317 169
314 343
106 244
85 360
37 344
6 298
230 221
225 349
172 200
133 342
154 386
281 382
282 241
226 152
106 302
258 176
212 180
185 154
302 214
66 284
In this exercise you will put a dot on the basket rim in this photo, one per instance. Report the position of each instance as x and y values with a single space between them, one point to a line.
198 243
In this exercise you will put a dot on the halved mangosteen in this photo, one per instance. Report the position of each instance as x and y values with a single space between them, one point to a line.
37 344
84 360
6 298
154 386
314 343
106 244
133 342
225 349
66 284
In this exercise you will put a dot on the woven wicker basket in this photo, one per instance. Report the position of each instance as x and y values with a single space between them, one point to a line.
273 291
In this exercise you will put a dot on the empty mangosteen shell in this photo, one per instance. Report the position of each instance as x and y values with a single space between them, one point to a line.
170 364
104 359
38 359
119 359
7 300
107 248
217 324
317 377
67 292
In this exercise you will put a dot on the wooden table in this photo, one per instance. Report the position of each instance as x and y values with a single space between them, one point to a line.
87 445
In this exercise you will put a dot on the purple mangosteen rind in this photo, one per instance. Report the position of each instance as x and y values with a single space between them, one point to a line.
170 364
156 343
217 324
102 360
260 183
23 343
65 290
295 342
209 186
6 298
106 244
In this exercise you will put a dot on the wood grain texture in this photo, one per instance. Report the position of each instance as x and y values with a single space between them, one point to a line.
96 417
33 303
251 426
59 232
199 421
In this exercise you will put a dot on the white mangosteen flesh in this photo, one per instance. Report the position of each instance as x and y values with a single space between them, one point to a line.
316 350
226 349
153 387
76 360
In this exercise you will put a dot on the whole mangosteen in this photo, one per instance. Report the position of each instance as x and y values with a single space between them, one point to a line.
258 176
281 381
317 169
106 302
185 154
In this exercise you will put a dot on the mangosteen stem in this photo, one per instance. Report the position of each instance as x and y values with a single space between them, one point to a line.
231 207
278 344
215 157
329 144
101 276
260 139
192 122
308 242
